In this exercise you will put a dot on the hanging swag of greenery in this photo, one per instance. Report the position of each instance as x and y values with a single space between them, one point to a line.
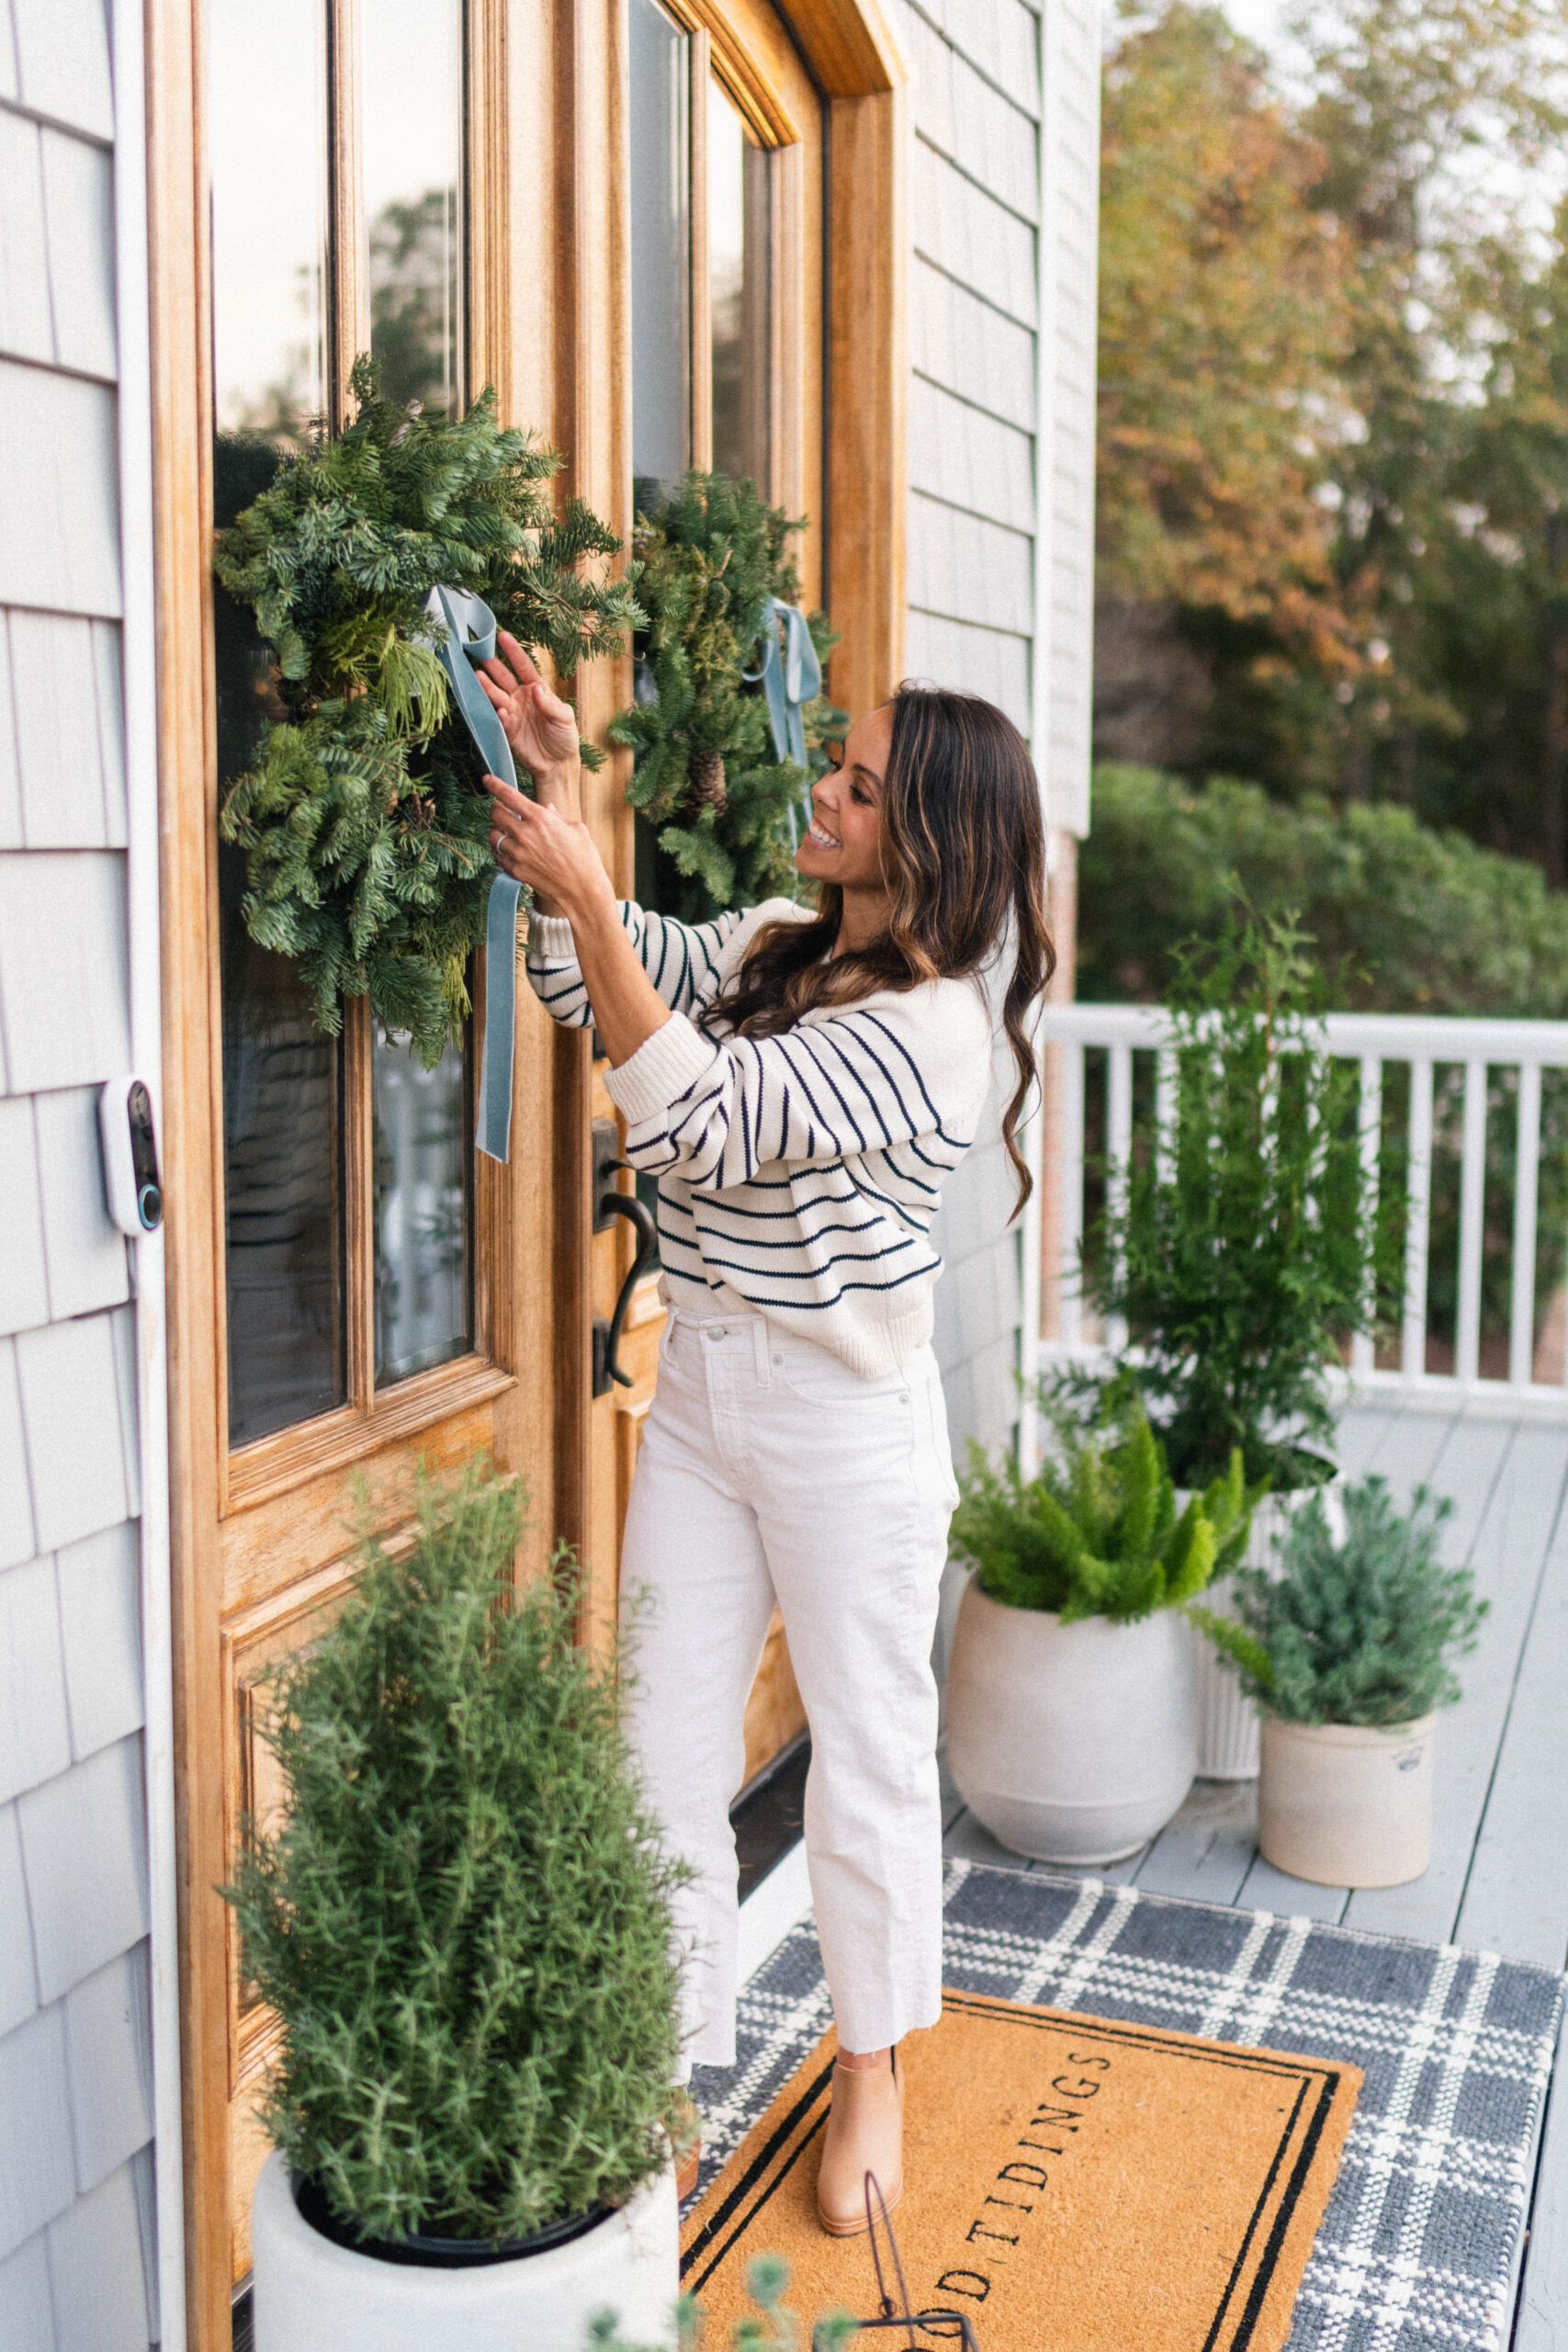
365 830
708 558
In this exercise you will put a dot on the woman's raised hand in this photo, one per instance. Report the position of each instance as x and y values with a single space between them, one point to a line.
550 850
540 727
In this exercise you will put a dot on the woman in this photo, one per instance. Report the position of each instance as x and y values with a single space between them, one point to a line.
801 1084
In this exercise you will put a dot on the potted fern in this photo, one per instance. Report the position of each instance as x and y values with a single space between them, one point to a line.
463 1931
1242 1250
1072 1717
1347 1645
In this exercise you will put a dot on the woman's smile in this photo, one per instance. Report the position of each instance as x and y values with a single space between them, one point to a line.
817 831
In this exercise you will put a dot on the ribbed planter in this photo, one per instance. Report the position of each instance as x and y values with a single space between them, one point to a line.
1345 1806
311 2295
1227 1720
1070 1743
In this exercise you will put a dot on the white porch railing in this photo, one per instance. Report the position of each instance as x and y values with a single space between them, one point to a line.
1483 1050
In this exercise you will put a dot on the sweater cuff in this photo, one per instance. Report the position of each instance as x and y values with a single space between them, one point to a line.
664 1067
551 936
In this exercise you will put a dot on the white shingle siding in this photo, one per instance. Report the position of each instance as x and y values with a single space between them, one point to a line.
1003 223
75 2074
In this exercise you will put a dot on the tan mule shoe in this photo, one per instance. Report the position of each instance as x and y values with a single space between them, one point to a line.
866 2133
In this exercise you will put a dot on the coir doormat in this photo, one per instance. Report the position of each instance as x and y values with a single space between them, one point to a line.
1419 2243
1076 2184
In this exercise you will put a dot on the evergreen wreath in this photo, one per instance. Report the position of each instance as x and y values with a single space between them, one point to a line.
707 557
365 830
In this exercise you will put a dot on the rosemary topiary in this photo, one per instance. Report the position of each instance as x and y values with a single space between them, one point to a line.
366 833
1360 1631
706 560
463 1923
1096 1533
1241 1250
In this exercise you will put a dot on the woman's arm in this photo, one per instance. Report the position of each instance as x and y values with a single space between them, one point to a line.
908 1075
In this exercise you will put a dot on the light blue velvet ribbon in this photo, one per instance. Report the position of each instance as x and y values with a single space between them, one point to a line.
470 639
791 675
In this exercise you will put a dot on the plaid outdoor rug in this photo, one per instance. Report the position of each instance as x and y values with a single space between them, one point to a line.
1419 2244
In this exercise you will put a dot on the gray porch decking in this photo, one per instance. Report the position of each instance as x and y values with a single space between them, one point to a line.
1498 1879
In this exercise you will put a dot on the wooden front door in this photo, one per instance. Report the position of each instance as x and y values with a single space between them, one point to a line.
447 183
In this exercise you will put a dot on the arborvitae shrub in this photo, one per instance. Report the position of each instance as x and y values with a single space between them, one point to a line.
463 1924
1096 1531
1359 1632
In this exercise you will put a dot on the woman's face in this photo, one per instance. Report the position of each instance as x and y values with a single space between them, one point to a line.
843 842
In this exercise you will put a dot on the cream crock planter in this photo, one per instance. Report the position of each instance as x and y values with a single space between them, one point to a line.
1346 1806
1070 1743
311 2295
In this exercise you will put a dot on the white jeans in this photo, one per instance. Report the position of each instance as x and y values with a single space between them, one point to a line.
770 1471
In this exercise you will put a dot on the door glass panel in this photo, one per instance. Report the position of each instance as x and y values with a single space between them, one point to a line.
739 290
411 129
660 210
422 1287
282 1080
266 88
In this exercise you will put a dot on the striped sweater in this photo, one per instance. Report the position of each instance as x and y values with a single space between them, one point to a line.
798 1175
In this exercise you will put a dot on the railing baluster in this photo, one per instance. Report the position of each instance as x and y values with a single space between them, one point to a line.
1526 1169
1370 1129
1418 1217
1119 1153
1471 1200
1070 1177
1166 1082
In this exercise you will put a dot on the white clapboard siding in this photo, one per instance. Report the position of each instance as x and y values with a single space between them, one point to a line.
76 2121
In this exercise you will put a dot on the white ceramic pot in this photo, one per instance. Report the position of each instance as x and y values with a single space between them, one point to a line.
1343 1806
1070 1743
313 2296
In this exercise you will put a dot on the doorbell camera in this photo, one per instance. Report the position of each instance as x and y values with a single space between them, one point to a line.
131 1190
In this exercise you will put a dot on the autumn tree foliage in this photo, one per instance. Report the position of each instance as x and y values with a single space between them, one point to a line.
1335 407
1224 331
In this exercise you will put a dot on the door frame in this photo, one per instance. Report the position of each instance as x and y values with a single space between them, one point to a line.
549 324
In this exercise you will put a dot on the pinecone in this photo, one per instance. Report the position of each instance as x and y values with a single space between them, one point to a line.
707 771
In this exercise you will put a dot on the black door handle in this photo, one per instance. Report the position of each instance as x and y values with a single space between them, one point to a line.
607 1336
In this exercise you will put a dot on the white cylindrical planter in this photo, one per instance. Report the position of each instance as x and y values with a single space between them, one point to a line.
1228 1720
1345 1806
1070 1743
313 2296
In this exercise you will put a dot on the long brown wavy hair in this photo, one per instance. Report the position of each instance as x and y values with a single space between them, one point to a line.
964 851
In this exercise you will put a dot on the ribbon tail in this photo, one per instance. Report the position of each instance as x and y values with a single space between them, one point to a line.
494 1133
470 637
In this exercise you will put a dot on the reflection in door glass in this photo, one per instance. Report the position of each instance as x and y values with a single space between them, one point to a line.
282 1213
411 134
660 210
740 290
423 1289
266 95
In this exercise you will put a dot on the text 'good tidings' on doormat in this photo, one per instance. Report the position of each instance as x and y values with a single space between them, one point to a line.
1076 2184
